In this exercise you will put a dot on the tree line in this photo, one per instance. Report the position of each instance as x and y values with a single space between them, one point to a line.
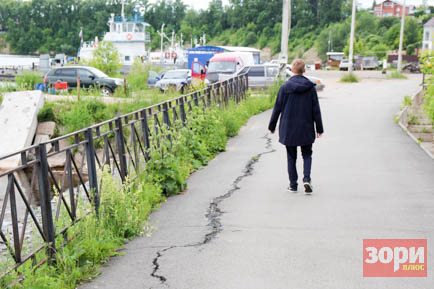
54 25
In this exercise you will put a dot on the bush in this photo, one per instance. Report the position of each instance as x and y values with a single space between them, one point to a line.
407 101
428 69
47 113
349 77
106 58
83 114
137 78
27 80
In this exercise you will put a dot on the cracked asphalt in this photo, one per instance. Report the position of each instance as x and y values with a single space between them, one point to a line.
237 227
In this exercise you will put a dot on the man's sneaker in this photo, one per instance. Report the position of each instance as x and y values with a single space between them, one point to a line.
307 187
291 189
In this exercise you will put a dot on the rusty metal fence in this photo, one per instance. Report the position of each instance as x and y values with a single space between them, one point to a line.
60 176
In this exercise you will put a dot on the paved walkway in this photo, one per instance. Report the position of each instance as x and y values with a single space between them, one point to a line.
236 227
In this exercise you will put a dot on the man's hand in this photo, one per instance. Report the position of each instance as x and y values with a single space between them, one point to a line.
318 135
272 132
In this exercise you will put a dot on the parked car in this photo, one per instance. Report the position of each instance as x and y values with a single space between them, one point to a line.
345 64
261 75
178 79
89 77
154 77
318 81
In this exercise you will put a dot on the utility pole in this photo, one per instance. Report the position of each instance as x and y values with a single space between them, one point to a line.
353 24
401 38
286 26
162 39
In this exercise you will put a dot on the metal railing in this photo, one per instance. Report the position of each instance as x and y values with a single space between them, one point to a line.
55 177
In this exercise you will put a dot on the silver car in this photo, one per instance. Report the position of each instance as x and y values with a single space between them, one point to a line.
265 75
177 79
261 75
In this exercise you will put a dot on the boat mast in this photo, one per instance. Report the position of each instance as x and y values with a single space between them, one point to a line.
122 11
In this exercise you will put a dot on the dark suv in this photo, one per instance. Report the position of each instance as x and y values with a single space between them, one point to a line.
89 77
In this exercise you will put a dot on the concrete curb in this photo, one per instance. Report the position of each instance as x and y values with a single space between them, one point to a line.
402 115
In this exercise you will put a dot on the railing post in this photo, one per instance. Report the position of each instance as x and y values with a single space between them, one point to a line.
208 96
182 111
14 216
71 184
195 98
218 93
145 132
121 148
166 119
45 201
91 168
226 93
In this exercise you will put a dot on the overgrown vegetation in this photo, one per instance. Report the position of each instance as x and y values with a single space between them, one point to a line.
27 80
125 208
407 101
75 115
428 69
349 77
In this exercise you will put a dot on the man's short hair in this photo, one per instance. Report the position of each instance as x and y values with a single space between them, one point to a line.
298 66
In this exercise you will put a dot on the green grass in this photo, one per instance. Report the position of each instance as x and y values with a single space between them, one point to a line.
396 75
349 78
407 101
28 79
413 120
125 208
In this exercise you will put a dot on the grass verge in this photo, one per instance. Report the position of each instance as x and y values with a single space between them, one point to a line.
396 75
349 78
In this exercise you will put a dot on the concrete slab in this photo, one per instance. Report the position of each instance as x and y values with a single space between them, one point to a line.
46 128
18 121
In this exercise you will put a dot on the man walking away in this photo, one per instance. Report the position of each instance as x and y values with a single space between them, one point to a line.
298 107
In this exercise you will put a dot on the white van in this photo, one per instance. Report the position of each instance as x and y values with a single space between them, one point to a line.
225 65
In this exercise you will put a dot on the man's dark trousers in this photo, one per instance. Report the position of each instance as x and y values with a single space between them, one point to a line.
306 152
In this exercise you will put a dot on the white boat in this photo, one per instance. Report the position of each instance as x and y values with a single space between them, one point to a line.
127 33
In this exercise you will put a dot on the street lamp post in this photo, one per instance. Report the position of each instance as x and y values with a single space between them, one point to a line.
286 26
353 23
401 38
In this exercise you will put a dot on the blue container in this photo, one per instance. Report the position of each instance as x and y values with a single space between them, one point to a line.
51 90
40 86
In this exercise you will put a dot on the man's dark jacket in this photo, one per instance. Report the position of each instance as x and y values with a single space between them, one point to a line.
297 103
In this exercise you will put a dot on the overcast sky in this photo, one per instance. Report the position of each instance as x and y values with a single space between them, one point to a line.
203 4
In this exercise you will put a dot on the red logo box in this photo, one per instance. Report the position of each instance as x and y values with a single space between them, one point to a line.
394 258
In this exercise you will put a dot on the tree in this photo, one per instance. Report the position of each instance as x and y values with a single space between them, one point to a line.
106 58
359 48
379 50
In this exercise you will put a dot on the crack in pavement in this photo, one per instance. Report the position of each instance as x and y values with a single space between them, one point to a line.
214 213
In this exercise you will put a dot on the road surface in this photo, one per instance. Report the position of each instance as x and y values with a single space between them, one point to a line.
236 227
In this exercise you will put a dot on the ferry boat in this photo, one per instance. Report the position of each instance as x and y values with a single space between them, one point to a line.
127 33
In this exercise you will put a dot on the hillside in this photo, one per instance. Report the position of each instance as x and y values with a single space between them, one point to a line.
53 26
